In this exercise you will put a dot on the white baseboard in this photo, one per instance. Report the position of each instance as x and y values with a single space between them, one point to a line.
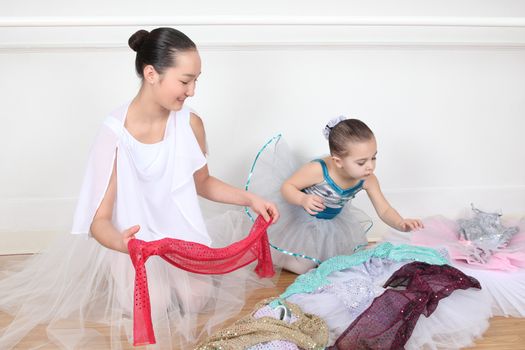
26 242
30 224
452 203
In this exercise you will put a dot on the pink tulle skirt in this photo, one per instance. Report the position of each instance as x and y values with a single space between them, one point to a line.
442 232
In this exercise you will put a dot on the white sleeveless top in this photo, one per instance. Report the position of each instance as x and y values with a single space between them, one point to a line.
155 186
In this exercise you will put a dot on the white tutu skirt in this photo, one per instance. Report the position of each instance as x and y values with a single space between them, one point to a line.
82 293
457 321
502 280
297 231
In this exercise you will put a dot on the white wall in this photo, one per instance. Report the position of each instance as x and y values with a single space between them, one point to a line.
442 84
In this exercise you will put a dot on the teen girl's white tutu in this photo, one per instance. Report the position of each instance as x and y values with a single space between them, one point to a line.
78 294
297 232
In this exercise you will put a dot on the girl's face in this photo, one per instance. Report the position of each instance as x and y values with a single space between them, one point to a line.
360 161
171 88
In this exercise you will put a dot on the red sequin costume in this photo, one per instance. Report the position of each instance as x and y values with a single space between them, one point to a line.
197 258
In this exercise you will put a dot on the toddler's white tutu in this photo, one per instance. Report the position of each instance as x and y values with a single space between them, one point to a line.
82 293
297 231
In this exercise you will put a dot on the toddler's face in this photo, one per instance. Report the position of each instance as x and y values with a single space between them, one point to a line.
361 159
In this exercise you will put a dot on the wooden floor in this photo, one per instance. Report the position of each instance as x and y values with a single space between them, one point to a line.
503 334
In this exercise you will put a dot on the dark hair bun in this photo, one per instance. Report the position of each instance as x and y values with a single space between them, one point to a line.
136 40
158 48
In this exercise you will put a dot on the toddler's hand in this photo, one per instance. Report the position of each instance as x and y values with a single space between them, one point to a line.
268 210
128 235
407 225
312 204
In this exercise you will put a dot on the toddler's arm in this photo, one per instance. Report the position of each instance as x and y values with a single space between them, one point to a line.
308 175
385 211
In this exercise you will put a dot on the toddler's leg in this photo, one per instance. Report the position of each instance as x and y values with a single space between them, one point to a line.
297 265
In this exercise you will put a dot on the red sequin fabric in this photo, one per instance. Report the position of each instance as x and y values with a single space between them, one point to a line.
388 323
197 258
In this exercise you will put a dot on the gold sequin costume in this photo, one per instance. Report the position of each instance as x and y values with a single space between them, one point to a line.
307 332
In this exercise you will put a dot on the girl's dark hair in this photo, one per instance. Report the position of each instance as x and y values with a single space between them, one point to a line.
158 48
346 131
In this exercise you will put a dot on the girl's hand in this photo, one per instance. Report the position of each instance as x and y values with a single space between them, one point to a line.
128 235
268 210
312 204
407 225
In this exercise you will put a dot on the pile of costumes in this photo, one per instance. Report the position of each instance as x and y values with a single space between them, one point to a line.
431 289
